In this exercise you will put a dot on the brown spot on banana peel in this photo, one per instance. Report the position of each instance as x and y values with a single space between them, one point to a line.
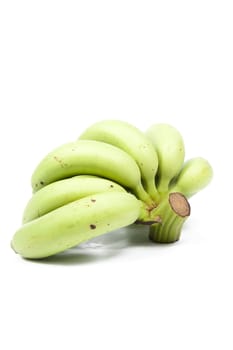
92 226
60 161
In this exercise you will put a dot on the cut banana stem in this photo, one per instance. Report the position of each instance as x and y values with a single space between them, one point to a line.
194 176
131 140
62 192
170 149
74 223
173 211
91 158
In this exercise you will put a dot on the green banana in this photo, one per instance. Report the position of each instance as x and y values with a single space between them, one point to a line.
194 176
93 158
74 223
131 140
170 149
65 191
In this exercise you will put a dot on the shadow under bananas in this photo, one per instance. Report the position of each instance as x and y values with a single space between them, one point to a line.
104 247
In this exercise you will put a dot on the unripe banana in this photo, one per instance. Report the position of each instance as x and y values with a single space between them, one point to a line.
131 140
65 191
92 158
74 223
194 176
169 146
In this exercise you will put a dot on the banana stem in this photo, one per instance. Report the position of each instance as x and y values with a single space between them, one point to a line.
163 185
173 211
143 195
152 190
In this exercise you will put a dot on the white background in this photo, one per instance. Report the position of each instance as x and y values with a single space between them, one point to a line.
64 65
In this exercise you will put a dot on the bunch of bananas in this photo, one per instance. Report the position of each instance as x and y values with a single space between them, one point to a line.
114 175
